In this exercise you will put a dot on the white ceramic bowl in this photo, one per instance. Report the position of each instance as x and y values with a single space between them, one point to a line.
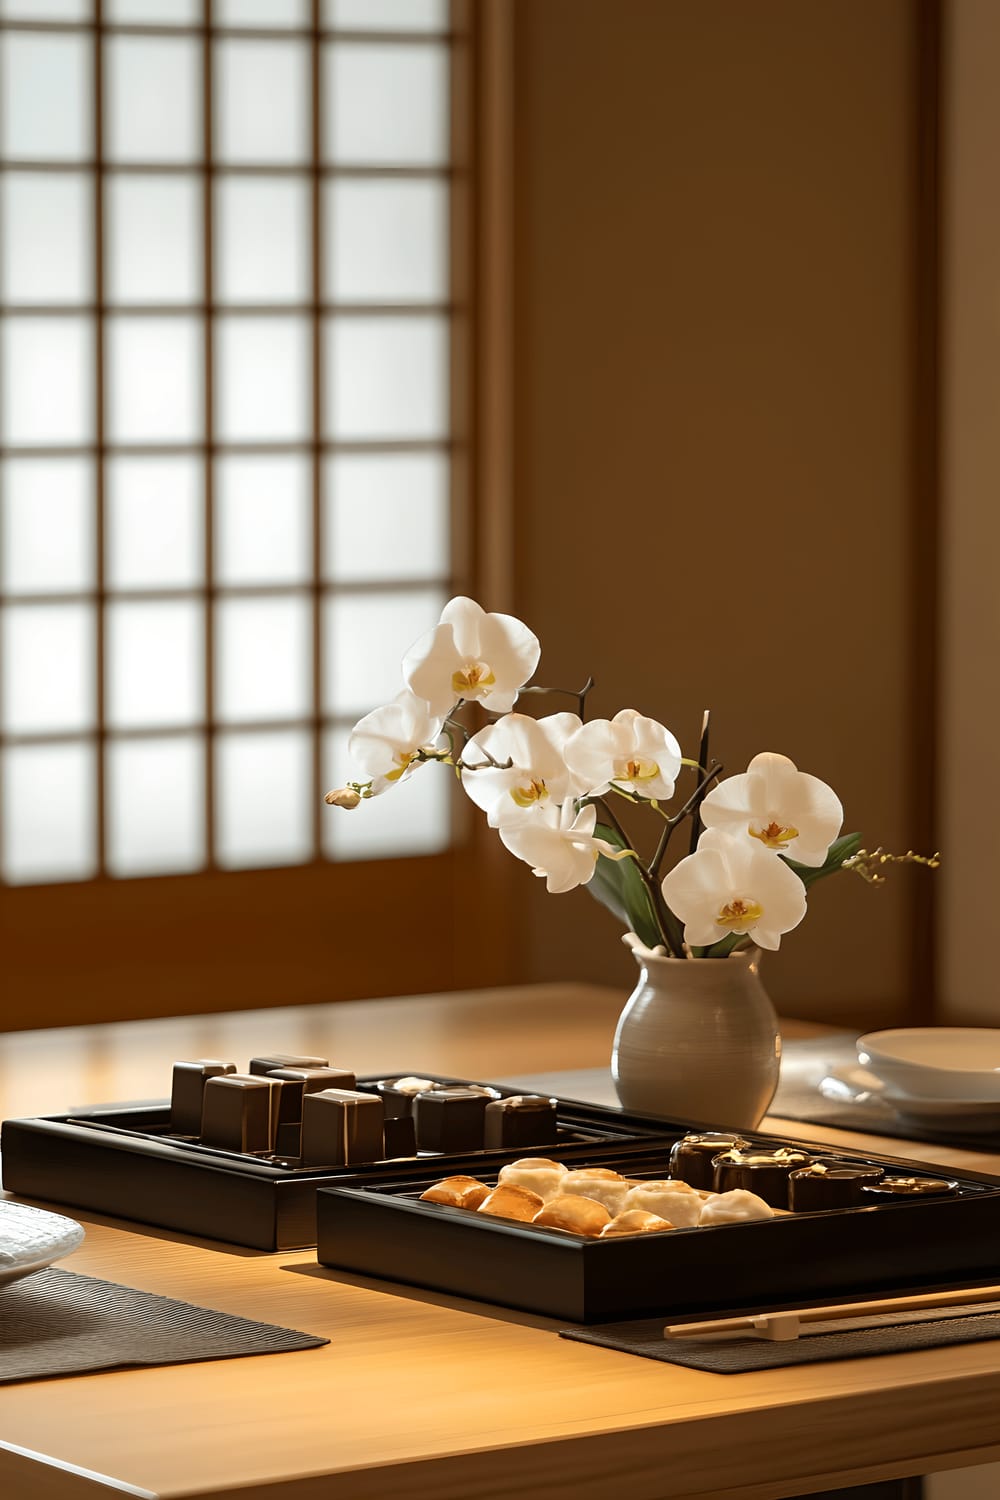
936 1062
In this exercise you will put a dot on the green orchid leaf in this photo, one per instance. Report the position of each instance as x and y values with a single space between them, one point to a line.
841 849
618 885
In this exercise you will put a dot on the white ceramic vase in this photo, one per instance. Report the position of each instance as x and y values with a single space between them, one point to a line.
698 1040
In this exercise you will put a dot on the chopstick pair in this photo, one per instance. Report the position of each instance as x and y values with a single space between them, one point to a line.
784 1326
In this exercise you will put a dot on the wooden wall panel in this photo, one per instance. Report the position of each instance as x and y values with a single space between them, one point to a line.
714 336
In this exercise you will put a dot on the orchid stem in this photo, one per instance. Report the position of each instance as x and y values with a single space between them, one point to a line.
694 800
580 694
664 918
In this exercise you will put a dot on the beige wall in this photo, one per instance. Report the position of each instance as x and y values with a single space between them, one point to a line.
712 272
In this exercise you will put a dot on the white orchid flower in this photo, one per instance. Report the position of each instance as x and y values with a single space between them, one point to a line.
558 844
629 751
783 808
387 743
538 776
471 655
731 884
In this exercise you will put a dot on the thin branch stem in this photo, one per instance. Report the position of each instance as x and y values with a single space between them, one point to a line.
580 694
660 912
695 799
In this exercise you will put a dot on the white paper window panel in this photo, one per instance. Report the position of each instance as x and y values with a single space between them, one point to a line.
156 799
153 99
47 544
49 823
47 227
272 13
263 798
262 91
262 239
155 529
48 668
386 15
46 381
264 659
386 241
413 817
262 374
155 12
47 10
386 105
45 97
154 383
153 246
386 515
364 641
155 663
387 377
263 519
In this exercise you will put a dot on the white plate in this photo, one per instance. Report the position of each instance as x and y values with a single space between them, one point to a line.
858 1085
31 1239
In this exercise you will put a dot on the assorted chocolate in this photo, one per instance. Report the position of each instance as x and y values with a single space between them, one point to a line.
306 1112
714 1179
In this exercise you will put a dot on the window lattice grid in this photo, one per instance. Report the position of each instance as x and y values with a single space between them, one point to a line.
227 422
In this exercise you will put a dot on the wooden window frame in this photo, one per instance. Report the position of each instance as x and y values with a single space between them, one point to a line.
107 949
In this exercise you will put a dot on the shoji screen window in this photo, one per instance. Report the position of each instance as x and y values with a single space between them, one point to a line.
227 422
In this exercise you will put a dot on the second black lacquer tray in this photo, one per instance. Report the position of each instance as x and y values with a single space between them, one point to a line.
385 1230
124 1161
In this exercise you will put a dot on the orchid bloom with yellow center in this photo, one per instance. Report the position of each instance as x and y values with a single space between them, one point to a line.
473 656
732 885
779 807
631 753
559 844
390 743
537 773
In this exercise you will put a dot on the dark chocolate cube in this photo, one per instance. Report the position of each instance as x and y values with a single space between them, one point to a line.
399 1137
341 1127
187 1092
450 1119
521 1120
238 1113
263 1065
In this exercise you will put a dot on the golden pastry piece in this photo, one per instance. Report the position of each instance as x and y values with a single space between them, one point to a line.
635 1221
457 1192
578 1215
674 1201
511 1202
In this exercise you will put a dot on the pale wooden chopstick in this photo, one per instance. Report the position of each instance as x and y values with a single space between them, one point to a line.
786 1325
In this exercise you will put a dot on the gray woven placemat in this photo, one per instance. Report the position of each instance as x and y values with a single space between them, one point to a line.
60 1323
733 1356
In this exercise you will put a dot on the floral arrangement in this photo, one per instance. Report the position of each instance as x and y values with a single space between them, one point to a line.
549 787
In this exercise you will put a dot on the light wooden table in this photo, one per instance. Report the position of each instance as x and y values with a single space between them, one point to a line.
424 1395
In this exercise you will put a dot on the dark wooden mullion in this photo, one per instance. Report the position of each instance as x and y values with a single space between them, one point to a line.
100 456
243 449
316 323
208 472
244 309
232 169
237 33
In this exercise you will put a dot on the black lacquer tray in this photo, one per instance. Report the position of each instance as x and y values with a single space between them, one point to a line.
123 1161
384 1230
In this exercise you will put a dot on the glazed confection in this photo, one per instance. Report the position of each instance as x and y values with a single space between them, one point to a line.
341 1127
902 1189
734 1208
398 1137
765 1173
634 1221
692 1157
187 1095
521 1120
829 1184
459 1192
510 1202
578 1215
600 1184
674 1201
398 1094
536 1173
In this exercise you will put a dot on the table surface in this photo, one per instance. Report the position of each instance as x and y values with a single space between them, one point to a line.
419 1394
